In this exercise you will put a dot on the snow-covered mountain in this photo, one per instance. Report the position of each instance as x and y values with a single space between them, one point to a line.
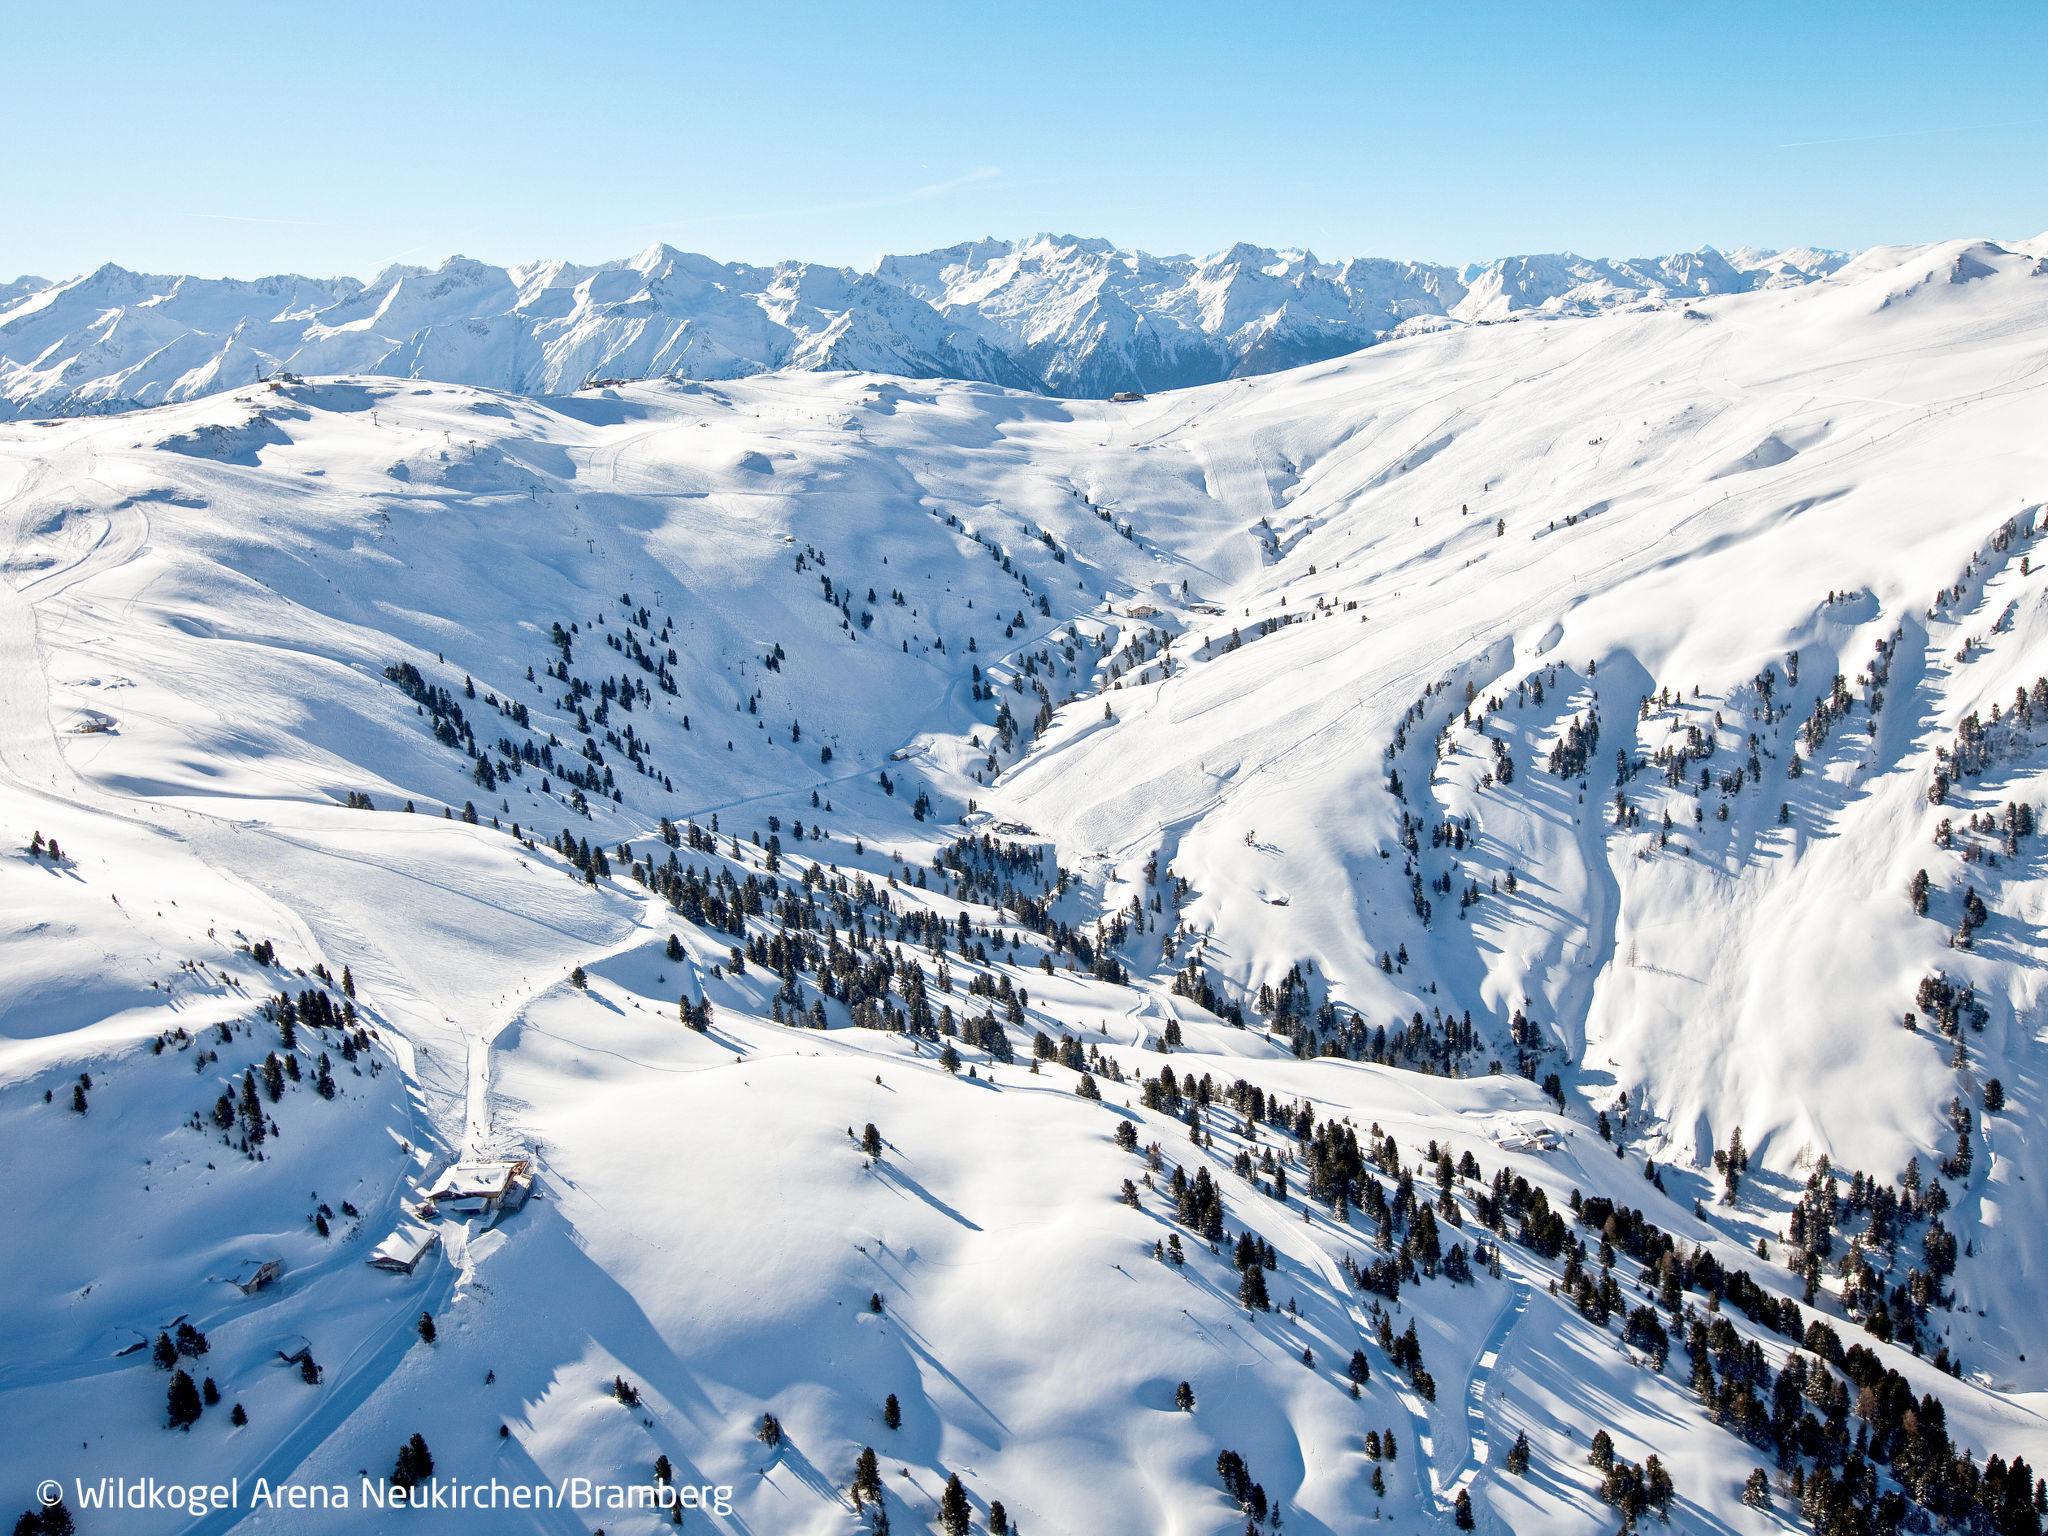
1090 319
1068 316
116 339
1445 934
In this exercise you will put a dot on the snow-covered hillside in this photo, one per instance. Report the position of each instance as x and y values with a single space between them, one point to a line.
1072 317
1284 952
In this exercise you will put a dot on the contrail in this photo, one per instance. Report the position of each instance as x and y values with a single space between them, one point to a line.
934 189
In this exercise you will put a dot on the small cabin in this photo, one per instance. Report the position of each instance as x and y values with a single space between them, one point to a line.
1529 1136
401 1252
1126 396
480 1188
520 1191
251 1275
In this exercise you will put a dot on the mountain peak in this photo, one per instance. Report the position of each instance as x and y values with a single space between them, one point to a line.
1064 313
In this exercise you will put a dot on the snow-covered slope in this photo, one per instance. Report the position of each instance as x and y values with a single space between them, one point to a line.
1508 754
1073 317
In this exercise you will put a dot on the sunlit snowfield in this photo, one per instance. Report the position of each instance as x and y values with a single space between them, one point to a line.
1543 726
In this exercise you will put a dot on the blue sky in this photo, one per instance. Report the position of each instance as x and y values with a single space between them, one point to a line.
245 138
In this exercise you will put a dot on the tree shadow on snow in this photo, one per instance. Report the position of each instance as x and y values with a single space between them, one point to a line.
895 1178
576 1287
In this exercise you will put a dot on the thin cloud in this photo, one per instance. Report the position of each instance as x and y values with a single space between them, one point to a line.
979 176
931 191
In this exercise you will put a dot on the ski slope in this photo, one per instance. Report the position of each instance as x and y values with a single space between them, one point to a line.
1243 664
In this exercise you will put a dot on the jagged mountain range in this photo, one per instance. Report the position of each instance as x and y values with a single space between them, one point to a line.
1056 314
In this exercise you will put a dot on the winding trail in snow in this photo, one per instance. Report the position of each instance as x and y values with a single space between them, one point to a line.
1448 1475
31 757
1439 1484
340 1394
1478 1454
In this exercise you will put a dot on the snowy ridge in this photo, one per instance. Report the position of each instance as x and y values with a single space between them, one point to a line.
1072 317
1410 895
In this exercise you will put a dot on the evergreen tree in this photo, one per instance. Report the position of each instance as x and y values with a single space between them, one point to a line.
892 1412
1657 1485
427 1330
1461 1510
1733 1164
867 1478
1518 1456
1251 1290
415 1463
954 1511
1184 1397
183 1405
251 1109
1756 1489
46 1520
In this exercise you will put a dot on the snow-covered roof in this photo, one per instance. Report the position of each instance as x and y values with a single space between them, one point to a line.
404 1248
475 1181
